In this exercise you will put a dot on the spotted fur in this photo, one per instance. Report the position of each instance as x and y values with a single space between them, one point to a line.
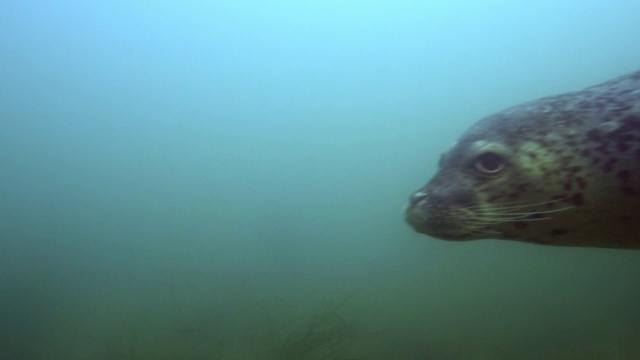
560 170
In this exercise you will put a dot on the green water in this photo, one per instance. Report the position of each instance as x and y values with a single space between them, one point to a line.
184 180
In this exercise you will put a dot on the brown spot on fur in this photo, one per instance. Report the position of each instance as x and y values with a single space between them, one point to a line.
609 164
558 232
624 174
520 225
577 199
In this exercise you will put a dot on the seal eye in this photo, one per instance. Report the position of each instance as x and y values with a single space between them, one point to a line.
489 163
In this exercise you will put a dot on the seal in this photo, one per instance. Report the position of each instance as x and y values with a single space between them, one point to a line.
560 170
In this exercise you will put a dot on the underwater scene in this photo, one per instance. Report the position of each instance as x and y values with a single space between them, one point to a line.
226 180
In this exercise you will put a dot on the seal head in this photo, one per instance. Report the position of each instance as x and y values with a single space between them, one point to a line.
561 170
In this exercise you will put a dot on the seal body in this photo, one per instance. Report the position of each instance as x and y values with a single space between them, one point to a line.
560 170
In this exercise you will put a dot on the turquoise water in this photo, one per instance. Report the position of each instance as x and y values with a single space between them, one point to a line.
225 180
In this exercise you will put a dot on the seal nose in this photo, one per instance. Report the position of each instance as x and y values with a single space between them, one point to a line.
417 197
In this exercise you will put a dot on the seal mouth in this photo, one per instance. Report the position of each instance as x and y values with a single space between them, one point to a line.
433 218
439 229
443 216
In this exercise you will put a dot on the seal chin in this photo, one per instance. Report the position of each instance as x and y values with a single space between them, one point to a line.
450 236
416 220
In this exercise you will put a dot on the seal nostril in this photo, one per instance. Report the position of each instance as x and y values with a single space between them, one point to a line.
417 197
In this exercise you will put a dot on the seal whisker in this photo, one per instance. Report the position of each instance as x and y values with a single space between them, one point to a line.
495 218
524 214
513 207
500 218
502 221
